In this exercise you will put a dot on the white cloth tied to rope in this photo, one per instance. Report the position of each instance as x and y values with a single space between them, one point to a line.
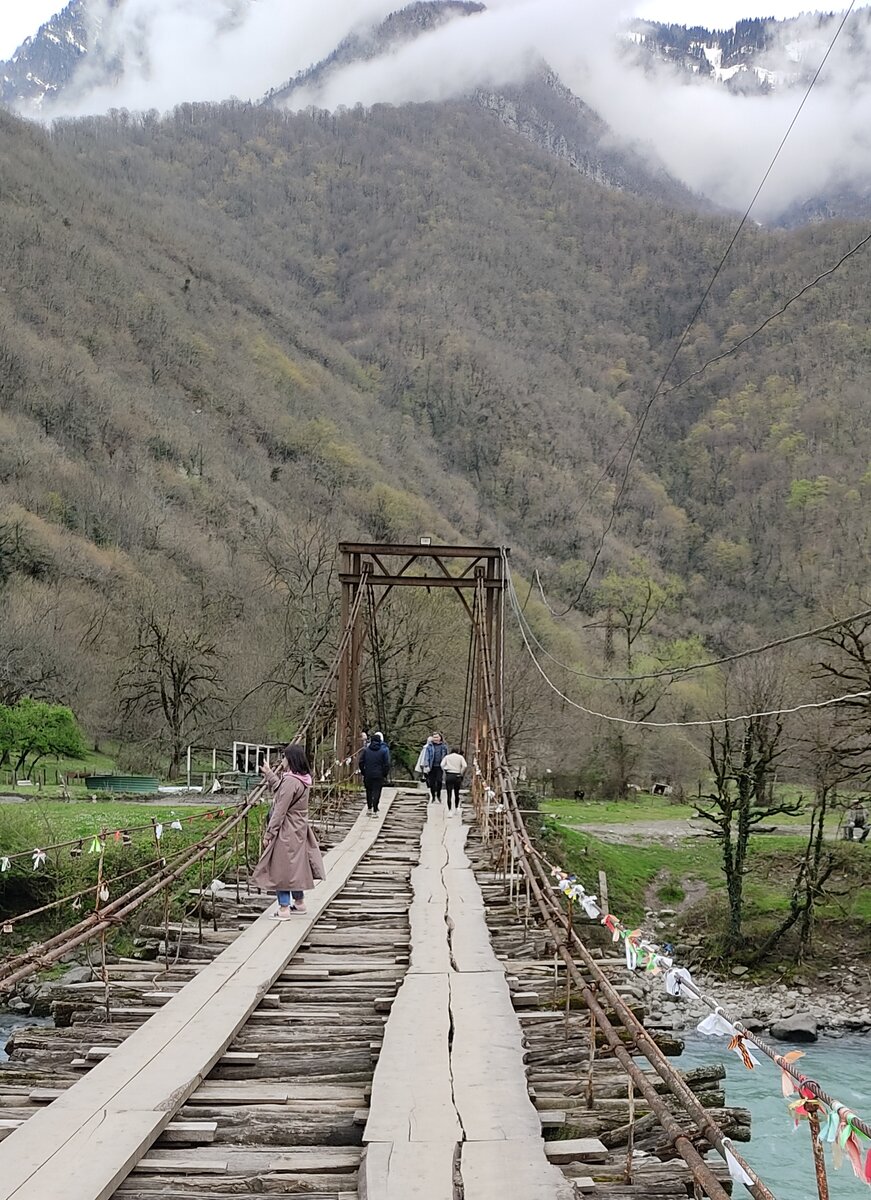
716 1025
4 863
736 1172
38 858
675 979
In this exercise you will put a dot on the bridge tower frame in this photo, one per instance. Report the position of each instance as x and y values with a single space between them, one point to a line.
388 565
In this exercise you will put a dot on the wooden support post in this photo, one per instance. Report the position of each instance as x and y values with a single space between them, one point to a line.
630 1136
819 1154
571 909
603 891
591 1063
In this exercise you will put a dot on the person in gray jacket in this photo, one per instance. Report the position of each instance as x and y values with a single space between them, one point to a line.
434 753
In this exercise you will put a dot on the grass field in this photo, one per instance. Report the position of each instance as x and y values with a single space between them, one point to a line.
40 823
658 808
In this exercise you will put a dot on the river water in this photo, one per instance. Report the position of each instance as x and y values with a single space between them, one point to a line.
780 1153
10 1021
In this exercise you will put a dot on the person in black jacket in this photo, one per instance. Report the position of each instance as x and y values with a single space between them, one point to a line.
374 765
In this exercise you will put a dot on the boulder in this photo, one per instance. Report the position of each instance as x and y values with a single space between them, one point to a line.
77 974
800 1028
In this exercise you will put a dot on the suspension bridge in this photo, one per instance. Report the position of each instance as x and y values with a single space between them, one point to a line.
435 1026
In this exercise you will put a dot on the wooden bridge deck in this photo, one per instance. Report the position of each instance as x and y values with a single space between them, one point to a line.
450 1102
247 1064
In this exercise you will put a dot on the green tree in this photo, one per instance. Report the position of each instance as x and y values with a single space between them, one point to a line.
742 798
32 729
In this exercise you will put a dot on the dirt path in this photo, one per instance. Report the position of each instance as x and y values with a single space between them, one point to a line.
641 832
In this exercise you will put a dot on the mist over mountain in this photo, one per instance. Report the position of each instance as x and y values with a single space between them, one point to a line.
705 109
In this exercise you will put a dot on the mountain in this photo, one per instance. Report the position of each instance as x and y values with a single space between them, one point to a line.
44 64
396 30
542 109
756 56
131 61
235 334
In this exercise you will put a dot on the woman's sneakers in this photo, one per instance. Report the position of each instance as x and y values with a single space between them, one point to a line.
282 914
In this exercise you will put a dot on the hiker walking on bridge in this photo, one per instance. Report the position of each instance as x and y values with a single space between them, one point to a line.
454 767
291 859
431 759
374 766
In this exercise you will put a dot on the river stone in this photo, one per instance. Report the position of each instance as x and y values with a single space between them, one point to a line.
77 974
740 970
800 1028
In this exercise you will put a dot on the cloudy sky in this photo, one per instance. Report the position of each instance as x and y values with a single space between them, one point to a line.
20 18
716 142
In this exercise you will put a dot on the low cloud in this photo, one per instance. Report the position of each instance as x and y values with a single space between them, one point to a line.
159 53
162 52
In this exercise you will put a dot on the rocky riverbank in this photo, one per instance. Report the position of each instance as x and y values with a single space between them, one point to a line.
786 1013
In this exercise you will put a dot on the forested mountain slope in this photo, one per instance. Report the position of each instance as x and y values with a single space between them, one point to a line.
231 333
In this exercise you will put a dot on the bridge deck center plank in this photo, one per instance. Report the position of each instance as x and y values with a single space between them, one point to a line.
452 1055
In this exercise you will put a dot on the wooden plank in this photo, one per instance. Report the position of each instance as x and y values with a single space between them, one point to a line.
515 1168
179 1165
490 1086
200 1132
471 948
428 910
587 1149
84 1143
409 1171
412 1097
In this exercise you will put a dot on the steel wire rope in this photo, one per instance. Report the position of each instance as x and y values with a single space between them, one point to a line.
703 1119
641 420
667 672
715 1007
12 970
21 966
701 723
35 912
105 834
327 683
773 316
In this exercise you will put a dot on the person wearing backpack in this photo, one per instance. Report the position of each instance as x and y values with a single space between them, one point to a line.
374 765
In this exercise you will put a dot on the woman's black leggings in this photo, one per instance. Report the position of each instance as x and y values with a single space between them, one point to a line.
452 787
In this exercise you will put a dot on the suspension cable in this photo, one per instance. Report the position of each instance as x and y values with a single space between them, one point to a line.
700 723
701 1117
673 672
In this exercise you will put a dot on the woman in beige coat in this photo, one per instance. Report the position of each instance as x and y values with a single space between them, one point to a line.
291 859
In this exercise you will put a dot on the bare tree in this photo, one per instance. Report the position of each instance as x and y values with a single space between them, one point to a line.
173 673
